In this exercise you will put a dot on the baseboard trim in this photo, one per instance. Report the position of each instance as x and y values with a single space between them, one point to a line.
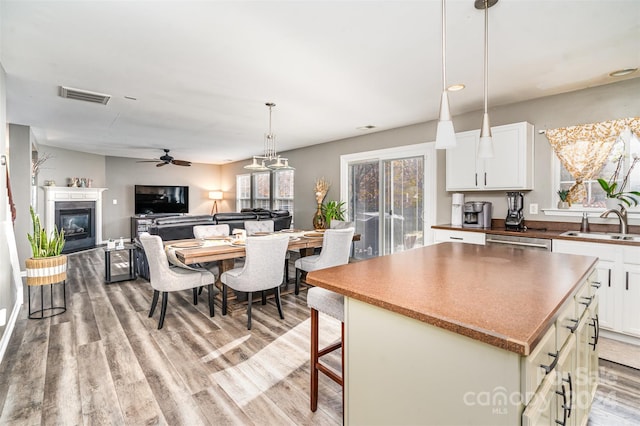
8 331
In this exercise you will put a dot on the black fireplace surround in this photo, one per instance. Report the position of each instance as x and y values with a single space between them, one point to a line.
77 219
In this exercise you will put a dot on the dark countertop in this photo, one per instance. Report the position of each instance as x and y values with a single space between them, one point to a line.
502 296
549 230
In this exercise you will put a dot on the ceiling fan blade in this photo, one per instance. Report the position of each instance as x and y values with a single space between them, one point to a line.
147 161
181 163
161 164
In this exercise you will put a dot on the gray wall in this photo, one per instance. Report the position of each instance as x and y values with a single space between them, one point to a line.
123 173
21 141
607 102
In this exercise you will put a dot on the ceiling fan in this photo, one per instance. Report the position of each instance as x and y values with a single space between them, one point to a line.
167 159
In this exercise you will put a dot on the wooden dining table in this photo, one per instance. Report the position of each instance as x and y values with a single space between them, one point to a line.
225 252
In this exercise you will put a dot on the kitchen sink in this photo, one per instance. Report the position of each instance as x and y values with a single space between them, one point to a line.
603 236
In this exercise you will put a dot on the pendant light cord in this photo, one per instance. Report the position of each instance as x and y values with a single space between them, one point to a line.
444 46
486 56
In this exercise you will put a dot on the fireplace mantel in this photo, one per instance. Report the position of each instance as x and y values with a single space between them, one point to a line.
64 193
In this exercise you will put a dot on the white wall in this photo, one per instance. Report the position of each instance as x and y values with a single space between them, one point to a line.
10 281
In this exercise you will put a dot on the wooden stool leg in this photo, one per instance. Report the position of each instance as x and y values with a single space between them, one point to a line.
314 360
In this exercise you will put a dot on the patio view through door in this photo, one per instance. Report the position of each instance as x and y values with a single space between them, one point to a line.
385 198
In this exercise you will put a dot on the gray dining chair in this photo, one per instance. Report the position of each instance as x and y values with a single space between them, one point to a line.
262 271
206 231
341 224
164 279
336 246
254 226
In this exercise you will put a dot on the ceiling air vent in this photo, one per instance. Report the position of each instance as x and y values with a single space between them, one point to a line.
83 95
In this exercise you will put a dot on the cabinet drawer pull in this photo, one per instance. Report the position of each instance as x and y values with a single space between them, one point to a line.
570 381
596 331
596 284
587 301
564 407
574 327
476 179
456 238
626 284
548 368
485 178
609 277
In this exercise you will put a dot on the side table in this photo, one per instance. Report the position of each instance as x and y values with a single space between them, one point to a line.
108 278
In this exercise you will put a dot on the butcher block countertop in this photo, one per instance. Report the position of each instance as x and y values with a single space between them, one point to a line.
498 295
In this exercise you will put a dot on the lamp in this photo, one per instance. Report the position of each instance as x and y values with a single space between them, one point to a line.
215 196
485 146
445 134
261 162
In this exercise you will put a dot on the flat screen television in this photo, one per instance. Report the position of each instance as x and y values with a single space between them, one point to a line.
156 199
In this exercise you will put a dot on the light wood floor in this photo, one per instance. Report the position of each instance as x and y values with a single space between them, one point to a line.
104 362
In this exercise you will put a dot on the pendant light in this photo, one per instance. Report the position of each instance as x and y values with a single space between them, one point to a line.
261 162
485 146
445 134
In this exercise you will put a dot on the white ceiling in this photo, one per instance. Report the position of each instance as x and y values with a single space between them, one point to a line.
201 71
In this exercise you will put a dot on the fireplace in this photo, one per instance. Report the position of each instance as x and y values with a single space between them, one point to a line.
78 211
77 219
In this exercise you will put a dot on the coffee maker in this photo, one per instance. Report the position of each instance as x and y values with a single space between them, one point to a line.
477 214
515 217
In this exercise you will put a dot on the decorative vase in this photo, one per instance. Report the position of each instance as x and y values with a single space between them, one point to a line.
318 219
563 204
612 203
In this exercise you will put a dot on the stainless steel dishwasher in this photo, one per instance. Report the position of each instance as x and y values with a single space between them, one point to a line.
525 243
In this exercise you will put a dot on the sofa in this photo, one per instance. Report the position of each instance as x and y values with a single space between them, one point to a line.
181 227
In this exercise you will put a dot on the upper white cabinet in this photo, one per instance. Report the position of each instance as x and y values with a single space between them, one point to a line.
511 168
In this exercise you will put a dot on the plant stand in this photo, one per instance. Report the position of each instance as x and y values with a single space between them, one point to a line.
47 271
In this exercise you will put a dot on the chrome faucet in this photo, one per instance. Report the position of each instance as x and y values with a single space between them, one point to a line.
622 215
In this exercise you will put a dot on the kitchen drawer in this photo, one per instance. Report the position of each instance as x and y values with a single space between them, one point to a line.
583 299
442 235
566 324
538 364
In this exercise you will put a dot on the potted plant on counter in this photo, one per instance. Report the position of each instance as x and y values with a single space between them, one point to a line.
614 193
564 199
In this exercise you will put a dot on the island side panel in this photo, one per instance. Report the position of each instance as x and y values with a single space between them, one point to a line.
399 370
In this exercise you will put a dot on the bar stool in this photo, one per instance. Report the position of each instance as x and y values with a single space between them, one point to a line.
332 304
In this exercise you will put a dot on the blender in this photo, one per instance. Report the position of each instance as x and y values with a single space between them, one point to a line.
515 217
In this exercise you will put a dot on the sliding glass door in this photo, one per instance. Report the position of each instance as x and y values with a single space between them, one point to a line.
386 200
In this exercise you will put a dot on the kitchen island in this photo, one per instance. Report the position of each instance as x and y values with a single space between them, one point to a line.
467 334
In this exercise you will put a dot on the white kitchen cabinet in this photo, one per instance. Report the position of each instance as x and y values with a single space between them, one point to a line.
445 235
511 168
631 300
619 281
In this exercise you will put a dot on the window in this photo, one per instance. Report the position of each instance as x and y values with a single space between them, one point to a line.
261 190
595 195
243 192
267 190
283 190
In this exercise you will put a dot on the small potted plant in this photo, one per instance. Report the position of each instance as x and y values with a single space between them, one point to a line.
333 210
564 199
